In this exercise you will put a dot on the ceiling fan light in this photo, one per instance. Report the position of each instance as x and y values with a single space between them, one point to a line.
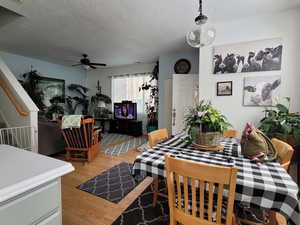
86 67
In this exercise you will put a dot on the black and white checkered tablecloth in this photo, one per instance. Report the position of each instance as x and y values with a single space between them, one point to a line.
267 186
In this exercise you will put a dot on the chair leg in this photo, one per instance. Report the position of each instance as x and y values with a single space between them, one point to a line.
272 218
68 155
234 220
155 191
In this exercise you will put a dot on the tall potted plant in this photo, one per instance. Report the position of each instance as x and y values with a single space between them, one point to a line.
30 84
98 104
152 105
205 125
280 123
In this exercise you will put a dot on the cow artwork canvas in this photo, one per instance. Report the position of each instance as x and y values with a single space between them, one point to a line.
262 90
255 56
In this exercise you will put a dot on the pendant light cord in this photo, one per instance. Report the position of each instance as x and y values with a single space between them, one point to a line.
200 7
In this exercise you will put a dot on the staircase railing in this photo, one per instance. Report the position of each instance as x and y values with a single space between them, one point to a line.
19 137
12 99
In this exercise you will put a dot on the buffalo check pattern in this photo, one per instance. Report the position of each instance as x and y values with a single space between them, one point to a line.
267 186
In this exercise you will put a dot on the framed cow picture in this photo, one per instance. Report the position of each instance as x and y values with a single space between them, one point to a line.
247 57
224 88
262 90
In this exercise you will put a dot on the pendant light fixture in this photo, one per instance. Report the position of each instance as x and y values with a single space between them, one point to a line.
204 34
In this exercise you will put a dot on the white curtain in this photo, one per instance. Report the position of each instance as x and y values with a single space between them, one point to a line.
126 88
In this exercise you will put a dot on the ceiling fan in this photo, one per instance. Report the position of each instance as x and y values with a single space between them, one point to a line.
87 63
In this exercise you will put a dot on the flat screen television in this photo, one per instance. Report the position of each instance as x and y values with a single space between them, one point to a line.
125 110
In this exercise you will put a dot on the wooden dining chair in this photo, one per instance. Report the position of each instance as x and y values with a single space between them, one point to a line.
157 136
230 133
154 138
196 192
284 152
82 144
284 156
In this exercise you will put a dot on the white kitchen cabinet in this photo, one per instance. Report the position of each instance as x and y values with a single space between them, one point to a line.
30 193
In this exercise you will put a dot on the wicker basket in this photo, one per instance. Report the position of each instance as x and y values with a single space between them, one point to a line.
210 139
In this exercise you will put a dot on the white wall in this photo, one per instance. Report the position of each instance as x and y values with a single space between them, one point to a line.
284 25
104 76
166 71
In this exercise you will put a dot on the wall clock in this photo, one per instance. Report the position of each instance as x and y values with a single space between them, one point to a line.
182 66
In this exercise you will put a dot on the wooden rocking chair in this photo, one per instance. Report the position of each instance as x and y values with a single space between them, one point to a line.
82 144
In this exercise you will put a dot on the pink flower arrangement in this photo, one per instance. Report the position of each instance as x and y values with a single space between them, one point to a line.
203 113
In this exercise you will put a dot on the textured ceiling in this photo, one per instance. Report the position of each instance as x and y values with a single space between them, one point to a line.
115 31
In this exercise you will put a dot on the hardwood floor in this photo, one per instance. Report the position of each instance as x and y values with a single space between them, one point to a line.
81 208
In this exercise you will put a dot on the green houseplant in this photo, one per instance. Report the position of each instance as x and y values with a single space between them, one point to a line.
81 99
205 125
279 122
55 110
152 106
30 84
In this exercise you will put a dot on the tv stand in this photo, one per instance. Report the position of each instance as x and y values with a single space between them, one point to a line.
129 127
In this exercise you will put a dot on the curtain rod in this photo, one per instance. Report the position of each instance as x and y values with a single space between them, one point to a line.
130 74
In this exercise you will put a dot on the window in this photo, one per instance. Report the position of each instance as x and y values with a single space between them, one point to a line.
126 88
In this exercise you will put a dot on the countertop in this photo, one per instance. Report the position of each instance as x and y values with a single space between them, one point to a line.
21 170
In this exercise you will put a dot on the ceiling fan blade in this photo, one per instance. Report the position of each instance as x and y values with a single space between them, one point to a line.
93 67
79 64
98 64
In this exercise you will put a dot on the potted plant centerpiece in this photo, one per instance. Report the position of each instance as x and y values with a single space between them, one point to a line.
280 123
205 125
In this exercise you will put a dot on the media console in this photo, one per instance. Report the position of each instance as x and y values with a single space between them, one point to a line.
129 127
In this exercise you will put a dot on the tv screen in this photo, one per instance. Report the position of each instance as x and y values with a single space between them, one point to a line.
125 111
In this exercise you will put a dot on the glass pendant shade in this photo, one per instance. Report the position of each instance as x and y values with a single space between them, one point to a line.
203 36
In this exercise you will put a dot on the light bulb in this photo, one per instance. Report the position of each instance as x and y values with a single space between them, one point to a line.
203 36
86 67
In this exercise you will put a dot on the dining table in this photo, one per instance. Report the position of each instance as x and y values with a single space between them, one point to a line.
266 186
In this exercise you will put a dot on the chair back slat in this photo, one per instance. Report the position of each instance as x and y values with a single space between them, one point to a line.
210 201
70 136
178 183
202 200
157 136
219 203
186 195
205 182
194 202
77 133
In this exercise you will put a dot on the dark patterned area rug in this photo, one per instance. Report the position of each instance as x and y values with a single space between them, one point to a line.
141 212
113 184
